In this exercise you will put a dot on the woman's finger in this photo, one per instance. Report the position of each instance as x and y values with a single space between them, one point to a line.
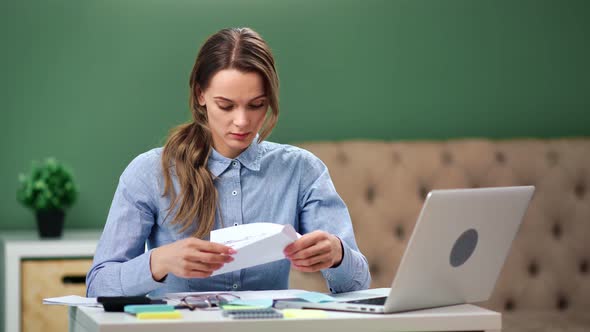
207 257
304 242
310 261
316 249
187 266
213 247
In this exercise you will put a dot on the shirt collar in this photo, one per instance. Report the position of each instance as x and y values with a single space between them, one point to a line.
250 158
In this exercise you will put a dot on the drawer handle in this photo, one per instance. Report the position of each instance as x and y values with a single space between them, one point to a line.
74 279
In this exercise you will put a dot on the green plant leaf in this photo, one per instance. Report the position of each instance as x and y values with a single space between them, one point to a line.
48 185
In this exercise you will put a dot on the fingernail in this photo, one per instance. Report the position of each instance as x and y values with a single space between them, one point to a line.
232 251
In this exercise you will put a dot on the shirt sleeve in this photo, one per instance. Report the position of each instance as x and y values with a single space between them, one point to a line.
121 267
323 209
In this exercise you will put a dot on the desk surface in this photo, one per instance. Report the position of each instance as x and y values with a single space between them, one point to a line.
464 317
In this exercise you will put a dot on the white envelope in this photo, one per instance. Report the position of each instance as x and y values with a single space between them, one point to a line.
256 243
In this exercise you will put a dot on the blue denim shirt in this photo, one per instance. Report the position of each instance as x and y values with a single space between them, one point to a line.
268 182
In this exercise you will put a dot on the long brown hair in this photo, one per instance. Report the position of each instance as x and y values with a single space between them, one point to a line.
189 145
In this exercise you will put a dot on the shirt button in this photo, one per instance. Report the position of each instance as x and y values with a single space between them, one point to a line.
234 192
235 163
235 286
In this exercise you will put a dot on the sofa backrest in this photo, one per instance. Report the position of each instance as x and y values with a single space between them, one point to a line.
384 185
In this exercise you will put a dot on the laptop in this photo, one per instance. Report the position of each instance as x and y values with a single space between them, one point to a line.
455 253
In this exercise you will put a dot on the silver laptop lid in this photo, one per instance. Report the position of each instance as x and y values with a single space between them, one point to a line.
458 247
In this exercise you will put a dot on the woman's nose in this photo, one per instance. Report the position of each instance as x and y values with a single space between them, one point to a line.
241 118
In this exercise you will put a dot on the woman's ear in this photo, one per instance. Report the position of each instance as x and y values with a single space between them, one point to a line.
200 96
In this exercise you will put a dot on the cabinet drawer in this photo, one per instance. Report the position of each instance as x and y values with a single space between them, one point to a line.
50 278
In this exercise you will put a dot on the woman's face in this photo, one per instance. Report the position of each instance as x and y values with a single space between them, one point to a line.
236 107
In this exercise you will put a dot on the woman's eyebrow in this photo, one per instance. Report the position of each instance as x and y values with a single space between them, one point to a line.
222 98
229 100
262 95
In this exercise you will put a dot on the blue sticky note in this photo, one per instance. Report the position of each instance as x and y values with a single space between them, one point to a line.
315 297
260 303
138 308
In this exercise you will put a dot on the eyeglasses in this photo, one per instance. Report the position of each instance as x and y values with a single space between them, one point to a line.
207 301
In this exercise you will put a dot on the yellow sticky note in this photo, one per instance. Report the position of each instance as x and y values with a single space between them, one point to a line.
304 313
159 315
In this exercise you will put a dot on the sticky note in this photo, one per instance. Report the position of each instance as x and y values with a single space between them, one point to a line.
259 303
160 315
315 297
137 308
304 313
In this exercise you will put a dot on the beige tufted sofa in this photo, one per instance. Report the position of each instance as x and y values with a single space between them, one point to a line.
545 283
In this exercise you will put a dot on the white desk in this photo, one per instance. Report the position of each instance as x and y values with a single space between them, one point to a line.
455 318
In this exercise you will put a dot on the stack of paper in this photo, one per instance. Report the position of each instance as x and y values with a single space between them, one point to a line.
256 243
72 300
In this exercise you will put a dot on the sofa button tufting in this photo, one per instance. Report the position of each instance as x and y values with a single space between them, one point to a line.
509 305
422 192
552 158
399 232
562 303
396 157
374 269
580 190
370 194
584 266
533 269
342 158
446 158
556 230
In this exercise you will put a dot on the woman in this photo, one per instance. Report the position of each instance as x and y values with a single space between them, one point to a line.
215 172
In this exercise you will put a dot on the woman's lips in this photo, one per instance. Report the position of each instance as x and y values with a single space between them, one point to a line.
238 136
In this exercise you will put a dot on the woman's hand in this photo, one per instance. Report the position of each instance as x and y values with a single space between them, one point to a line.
315 251
189 258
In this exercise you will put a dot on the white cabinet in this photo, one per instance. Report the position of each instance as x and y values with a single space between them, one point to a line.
34 268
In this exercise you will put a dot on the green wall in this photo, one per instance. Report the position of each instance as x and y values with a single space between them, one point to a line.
94 83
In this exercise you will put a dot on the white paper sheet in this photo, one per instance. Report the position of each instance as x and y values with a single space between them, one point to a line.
256 243
72 300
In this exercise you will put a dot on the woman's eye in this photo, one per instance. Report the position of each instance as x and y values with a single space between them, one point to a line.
226 107
257 106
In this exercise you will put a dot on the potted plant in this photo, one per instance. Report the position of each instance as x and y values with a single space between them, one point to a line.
48 190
